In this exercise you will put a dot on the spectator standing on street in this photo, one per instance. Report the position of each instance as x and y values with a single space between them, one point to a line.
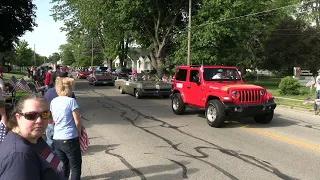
3 121
317 96
67 128
2 103
23 152
50 94
47 78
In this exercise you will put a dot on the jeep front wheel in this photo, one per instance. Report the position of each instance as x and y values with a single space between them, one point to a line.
215 114
178 106
264 118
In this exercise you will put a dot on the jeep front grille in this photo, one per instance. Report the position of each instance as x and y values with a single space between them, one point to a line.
249 96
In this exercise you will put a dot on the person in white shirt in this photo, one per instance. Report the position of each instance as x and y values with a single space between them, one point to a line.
317 96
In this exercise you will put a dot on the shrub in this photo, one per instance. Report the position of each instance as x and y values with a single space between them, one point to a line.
249 76
289 86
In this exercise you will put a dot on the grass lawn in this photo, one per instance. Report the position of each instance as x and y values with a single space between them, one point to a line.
18 75
271 84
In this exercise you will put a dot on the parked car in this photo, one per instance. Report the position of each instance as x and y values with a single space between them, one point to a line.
83 74
101 68
221 91
137 86
100 77
123 72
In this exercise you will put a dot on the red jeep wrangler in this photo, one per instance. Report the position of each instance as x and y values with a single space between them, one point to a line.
220 90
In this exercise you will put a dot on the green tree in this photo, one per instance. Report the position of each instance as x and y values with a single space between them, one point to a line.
16 17
24 55
54 57
67 54
230 33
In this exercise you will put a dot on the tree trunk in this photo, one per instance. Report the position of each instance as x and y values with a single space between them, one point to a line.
158 64
110 62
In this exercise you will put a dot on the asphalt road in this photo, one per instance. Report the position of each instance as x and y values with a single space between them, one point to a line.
142 139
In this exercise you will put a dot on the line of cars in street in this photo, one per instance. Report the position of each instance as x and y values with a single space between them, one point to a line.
219 90
139 85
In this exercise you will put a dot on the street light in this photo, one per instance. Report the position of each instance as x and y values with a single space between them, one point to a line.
189 34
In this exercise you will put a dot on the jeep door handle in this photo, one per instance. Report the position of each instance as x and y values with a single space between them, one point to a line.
188 87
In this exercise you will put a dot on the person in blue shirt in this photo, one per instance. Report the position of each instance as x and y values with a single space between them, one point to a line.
67 128
50 94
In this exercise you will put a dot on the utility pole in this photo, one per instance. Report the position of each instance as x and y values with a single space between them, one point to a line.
189 34
92 53
34 54
78 54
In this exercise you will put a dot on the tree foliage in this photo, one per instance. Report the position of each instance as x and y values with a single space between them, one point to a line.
24 55
16 17
243 33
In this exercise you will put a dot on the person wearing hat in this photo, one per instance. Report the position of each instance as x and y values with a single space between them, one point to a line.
317 96
218 75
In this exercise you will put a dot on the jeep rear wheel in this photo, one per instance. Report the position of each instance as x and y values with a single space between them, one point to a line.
264 118
214 113
178 106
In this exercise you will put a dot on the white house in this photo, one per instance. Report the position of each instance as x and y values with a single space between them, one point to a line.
137 61
116 62
143 63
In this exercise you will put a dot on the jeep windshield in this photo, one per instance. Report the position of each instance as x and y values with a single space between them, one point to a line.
218 74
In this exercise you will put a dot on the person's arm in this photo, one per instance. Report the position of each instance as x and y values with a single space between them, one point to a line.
77 120
21 166
76 115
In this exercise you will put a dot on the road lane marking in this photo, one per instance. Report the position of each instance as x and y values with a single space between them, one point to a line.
278 137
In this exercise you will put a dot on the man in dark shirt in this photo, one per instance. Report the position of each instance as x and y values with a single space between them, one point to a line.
50 94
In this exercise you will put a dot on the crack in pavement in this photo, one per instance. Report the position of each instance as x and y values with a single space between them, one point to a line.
126 163
184 168
266 166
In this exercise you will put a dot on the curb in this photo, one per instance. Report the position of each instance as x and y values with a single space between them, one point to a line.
307 111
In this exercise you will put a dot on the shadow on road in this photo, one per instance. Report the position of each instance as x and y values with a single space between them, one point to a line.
98 148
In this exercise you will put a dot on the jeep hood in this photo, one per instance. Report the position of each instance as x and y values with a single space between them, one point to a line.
234 86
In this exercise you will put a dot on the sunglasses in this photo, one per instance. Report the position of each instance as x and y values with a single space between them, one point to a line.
34 115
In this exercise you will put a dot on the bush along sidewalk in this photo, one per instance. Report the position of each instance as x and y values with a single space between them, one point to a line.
288 92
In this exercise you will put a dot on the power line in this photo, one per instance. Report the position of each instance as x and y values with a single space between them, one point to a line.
253 14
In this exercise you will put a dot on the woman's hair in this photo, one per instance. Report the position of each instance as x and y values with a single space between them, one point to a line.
12 120
64 86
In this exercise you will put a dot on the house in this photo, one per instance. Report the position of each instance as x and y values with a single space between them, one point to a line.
138 61
143 64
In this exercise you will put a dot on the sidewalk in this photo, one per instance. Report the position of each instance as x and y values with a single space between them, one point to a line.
298 115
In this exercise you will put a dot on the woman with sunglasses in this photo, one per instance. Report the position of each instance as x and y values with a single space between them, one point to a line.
67 127
20 157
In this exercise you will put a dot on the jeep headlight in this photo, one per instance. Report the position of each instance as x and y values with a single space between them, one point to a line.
262 93
234 94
